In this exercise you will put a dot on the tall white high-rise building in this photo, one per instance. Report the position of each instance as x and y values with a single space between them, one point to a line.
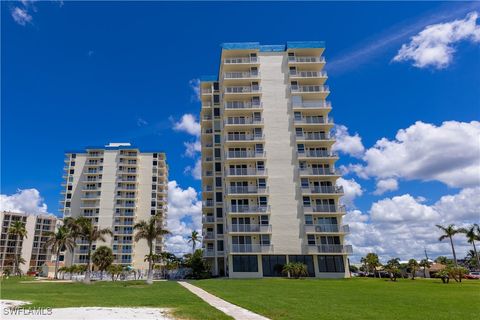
115 186
268 173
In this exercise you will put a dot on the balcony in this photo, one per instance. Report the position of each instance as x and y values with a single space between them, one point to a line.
241 75
241 121
251 228
248 209
243 137
306 59
242 90
324 209
313 120
244 154
208 174
308 74
327 228
206 91
309 89
241 60
247 248
207 203
242 190
245 172
323 190
209 235
316 154
209 253
241 105
314 136
330 248
208 219
311 104
318 172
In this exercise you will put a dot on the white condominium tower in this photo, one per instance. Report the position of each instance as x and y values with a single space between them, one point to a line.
268 172
115 186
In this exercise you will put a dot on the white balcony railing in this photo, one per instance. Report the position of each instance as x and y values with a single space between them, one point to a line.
313 136
307 74
316 154
313 120
318 171
243 137
246 190
208 219
241 60
327 228
244 248
207 203
323 189
242 89
332 248
248 209
244 154
241 75
307 59
312 104
309 89
242 121
250 228
243 104
246 172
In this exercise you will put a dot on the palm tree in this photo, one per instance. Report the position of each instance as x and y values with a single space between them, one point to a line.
194 238
17 230
413 265
449 232
425 264
372 261
57 241
473 234
150 230
72 225
393 267
102 258
90 233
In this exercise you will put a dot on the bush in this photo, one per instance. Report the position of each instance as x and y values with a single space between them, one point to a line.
295 270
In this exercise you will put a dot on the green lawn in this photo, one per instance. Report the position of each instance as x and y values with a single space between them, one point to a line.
107 294
350 298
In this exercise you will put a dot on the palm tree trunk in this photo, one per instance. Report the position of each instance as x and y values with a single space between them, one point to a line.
476 255
453 251
17 259
150 273
56 264
87 273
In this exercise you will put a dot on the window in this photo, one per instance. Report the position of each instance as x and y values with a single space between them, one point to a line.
245 263
74 155
301 148
272 265
216 86
218 167
219 228
219 212
218 154
262 201
306 260
69 188
72 171
218 182
155 155
154 179
264 220
331 264
217 139
72 164
220 245
311 239
265 240
308 219
306 201
218 197
262 183
304 182
154 162
216 100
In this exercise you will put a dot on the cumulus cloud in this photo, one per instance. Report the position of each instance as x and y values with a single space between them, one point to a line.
26 201
21 16
188 124
195 86
403 226
346 143
448 153
192 148
195 171
435 45
385 185
351 188
184 216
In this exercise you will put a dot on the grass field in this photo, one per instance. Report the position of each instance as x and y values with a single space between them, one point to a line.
110 294
350 298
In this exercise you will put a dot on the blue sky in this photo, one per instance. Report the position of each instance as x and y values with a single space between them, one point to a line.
84 73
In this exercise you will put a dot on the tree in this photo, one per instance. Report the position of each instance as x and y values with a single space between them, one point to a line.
90 233
74 228
18 231
150 230
102 258
426 265
448 232
196 262
193 239
58 240
473 234
393 268
442 260
115 270
372 262
295 270
413 266
471 260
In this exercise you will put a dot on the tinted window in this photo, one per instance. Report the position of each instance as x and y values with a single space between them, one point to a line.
245 264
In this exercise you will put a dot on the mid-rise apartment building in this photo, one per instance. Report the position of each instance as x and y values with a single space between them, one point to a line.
32 248
268 172
115 186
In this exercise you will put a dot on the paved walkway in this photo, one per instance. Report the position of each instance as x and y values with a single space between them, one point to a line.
232 310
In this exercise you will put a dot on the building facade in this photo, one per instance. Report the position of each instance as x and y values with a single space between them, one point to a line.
32 248
115 186
268 172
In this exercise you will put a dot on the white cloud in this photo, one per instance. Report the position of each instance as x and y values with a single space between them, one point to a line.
385 185
141 122
21 16
90 53
195 171
434 46
191 148
188 124
195 86
351 188
351 145
448 153
403 226
184 216
26 201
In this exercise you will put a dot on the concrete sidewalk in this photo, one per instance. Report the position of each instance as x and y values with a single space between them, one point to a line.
232 310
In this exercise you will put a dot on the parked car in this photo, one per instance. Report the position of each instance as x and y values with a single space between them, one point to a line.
474 275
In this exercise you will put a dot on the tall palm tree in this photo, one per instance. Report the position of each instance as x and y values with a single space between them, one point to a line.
413 265
72 225
150 230
90 233
473 234
102 258
18 231
426 265
448 232
57 241
193 239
